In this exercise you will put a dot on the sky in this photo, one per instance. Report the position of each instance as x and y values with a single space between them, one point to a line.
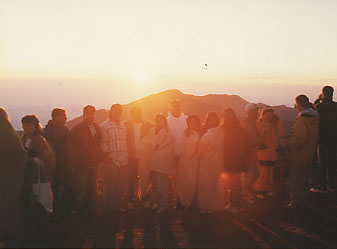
68 53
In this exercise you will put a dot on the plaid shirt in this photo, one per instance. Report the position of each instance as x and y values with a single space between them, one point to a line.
114 141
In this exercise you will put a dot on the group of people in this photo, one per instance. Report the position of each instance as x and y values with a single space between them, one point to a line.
215 165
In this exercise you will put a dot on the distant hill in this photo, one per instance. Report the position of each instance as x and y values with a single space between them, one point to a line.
199 105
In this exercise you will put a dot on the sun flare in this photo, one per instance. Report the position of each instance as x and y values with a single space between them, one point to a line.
140 78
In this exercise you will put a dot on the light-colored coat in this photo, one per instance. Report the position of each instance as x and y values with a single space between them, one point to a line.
156 153
187 174
211 189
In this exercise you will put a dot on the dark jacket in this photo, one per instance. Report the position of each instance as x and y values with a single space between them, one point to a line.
84 150
237 149
327 110
146 125
57 136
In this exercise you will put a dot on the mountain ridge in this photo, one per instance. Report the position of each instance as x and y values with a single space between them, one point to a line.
191 104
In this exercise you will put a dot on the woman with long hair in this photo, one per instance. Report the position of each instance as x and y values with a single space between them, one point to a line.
39 153
211 196
12 166
188 162
156 163
236 151
270 128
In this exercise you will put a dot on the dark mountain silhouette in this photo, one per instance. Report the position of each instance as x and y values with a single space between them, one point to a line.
192 104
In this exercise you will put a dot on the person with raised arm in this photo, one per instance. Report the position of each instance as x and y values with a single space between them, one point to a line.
327 140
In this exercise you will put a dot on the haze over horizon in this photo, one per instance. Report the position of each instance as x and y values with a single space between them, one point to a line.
70 53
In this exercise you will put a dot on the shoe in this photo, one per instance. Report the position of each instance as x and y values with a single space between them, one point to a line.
161 210
269 194
146 204
154 207
122 210
331 189
249 198
319 189
131 206
232 209
260 196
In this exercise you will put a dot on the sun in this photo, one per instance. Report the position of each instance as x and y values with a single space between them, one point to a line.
140 77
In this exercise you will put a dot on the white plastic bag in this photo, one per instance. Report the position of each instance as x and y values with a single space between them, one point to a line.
42 190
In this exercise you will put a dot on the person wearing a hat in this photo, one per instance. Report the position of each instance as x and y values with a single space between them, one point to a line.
270 127
256 142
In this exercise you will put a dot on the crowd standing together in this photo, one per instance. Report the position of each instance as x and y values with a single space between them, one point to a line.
217 165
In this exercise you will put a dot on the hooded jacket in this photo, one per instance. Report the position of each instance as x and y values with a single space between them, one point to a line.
304 137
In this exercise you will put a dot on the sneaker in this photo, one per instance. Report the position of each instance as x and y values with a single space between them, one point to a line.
154 207
269 194
146 204
161 210
131 206
331 189
232 209
249 198
260 196
319 189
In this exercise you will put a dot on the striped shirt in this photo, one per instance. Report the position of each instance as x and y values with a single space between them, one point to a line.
114 141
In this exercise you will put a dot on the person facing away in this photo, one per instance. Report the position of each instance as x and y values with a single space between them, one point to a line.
256 141
137 129
236 152
85 155
303 142
114 145
12 166
57 136
270 128
156 163
211 189
187 173
327 140
39 153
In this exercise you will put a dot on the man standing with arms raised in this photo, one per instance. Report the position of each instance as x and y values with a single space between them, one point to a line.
176 122
114 144
327 140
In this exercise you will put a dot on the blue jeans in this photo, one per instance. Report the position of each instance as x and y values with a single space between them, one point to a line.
115 185
85 188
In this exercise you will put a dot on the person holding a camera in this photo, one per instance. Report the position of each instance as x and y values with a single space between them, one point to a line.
327 140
